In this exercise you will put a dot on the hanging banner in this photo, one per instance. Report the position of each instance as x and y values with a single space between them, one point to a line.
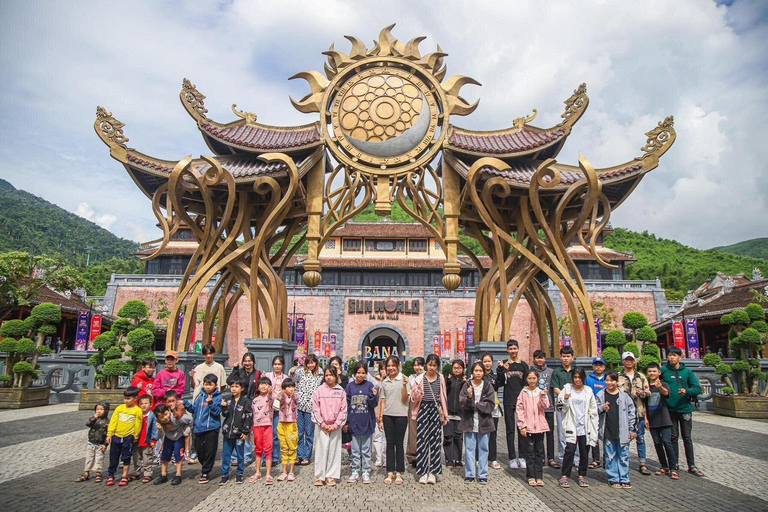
318 348
565 341
95 330
447 343
599 333
178 329
326 346
692 335
333 345
678 331
436 343
470 331
300 331
81 337
290 328
461 347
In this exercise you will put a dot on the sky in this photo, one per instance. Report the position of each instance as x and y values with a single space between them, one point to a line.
703 62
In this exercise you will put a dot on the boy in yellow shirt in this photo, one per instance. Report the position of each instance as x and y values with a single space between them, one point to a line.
124 428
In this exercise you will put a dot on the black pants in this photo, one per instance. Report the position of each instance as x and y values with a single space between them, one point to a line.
551 454
206 444
534 456
665 451
492 455
394 431
570 453
682 423
596 453
453 440
120 449
512 430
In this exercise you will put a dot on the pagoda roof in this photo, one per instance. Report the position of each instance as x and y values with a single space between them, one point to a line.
383 229
245 135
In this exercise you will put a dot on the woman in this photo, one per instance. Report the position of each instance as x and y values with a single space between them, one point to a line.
580 421
393 419
430 410
308 378
250 375
487 360
346 437
276 377
452 441
476 401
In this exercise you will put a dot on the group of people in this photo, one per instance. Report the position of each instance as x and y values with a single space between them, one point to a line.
310 415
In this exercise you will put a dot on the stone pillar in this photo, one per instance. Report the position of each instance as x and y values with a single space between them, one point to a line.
431 321
336 322
497 349
264 349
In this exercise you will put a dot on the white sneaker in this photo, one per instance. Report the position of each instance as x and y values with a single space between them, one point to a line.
523 465
431 479
424 479
514 464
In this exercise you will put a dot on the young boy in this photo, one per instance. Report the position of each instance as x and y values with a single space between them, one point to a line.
262 428
596 381
618 426
545 378
207 412
660 423
145 378
510 375
144 449
98 424
172 432
208 367
235 427
635 385
560 377
169 378
287 429
124 427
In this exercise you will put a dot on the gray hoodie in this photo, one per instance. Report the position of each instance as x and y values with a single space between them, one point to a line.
177 427
627 415
545 377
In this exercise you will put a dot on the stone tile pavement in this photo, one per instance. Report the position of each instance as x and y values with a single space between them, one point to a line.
43 455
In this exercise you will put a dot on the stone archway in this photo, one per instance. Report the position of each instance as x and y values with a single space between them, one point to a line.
381 341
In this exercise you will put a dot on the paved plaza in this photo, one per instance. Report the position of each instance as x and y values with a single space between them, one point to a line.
41 454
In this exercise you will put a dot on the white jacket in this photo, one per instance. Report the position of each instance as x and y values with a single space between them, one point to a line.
569 416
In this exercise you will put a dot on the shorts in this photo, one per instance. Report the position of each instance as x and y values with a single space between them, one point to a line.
173 448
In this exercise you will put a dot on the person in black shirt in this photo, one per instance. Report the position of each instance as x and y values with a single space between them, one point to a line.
510 375
660 423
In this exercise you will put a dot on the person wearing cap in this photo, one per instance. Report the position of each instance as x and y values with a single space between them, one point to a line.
683 387
169 378
596 381
635 384
510 376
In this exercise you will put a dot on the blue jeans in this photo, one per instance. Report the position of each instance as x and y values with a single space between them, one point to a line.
275 441
361 449
641 440
616 462
232 445
476 441
306 435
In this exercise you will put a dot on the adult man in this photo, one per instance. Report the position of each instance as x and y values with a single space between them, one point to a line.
636 386
596 381
511 375
560 377
683 387
208 367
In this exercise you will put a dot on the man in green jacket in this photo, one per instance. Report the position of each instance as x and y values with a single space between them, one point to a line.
683 387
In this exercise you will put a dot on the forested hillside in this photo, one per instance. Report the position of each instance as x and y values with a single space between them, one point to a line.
755 248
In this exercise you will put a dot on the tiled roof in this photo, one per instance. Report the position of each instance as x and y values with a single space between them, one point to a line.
240 166
265 138
383 229
522 172
578 252
368 262
171 250
66 304
501 142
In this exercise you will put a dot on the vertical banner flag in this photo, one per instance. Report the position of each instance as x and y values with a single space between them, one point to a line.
678 331
447 343
470 339
300 332
178 328
95 330
326 345
81 337
461 346
333 345
598 333
290 328
436 342
318 348
692 335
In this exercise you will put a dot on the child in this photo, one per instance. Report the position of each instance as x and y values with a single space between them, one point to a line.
362 399
235 427
308 379
144 378
533 425
171 430
169 378
430 409
477 401
634 384
329 412
660 423
578 408
510 375
410 447
560 377
452 436
276 378
596 381
393 418
262 429
618 426
207 412
97 441
379 439
287 429
545 377
124 427
143 451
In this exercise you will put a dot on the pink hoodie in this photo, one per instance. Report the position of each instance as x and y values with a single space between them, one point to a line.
530 411
262 411
289 409
329 406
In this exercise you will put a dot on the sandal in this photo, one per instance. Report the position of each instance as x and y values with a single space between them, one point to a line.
564 482
496 465
696 471
98 478
616 485
674 475
146 479
662 472
123 482
318 483
269 480
532 482
82 478
644 470
583 482
539 483
626 486
330 482
554 465
389 479
110 481
255 478
595 464
399 479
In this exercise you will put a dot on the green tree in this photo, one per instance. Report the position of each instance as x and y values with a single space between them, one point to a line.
634 321
748 333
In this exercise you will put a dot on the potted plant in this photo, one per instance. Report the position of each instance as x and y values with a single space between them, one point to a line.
23 352
742 396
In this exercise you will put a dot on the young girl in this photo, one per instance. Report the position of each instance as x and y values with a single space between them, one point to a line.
393 419
430 410
531 404
308 378
410 449
287 431
487 360
580 421
379 439
329 412
276 377
452 436
263 413
477 401
362 399
97 442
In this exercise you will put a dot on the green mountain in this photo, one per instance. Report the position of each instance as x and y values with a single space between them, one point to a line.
755 248
680 268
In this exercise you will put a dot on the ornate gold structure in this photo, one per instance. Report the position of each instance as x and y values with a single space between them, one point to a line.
384 135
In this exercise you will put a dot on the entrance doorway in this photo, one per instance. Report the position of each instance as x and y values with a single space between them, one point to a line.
380 343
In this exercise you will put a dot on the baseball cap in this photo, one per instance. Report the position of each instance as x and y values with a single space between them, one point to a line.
172 353
598 360
628 355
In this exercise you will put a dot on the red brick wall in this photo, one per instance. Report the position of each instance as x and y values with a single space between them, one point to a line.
629 301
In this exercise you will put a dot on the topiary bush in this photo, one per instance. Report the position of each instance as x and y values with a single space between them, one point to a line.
140 341
447 370
646 334
632 347
40 323
615 338
22 371
747 334
407 368
14 329
728 391
634 321
612 357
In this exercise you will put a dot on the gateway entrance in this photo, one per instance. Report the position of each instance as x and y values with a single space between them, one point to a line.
381 343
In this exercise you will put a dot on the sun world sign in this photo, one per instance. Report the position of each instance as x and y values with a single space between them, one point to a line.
382 309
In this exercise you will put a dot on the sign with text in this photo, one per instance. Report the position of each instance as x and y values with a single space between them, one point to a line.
678 332
318 347
81 336
383 309
436 343
447 343
461 347
470 331
95 330
692 335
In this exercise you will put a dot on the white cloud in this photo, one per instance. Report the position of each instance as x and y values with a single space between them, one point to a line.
105 220
705 63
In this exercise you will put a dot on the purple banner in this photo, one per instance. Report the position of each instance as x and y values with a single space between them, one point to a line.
83 330
470 332
300 334
178 329
692 336
333 345
565 341
598 333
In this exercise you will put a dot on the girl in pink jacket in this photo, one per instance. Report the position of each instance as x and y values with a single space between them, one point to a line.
329 413
531 404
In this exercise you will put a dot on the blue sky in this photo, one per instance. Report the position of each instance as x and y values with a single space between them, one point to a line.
703 62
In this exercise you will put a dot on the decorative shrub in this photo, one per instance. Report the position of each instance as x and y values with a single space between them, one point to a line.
615 338
747 335
632 347
612 357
